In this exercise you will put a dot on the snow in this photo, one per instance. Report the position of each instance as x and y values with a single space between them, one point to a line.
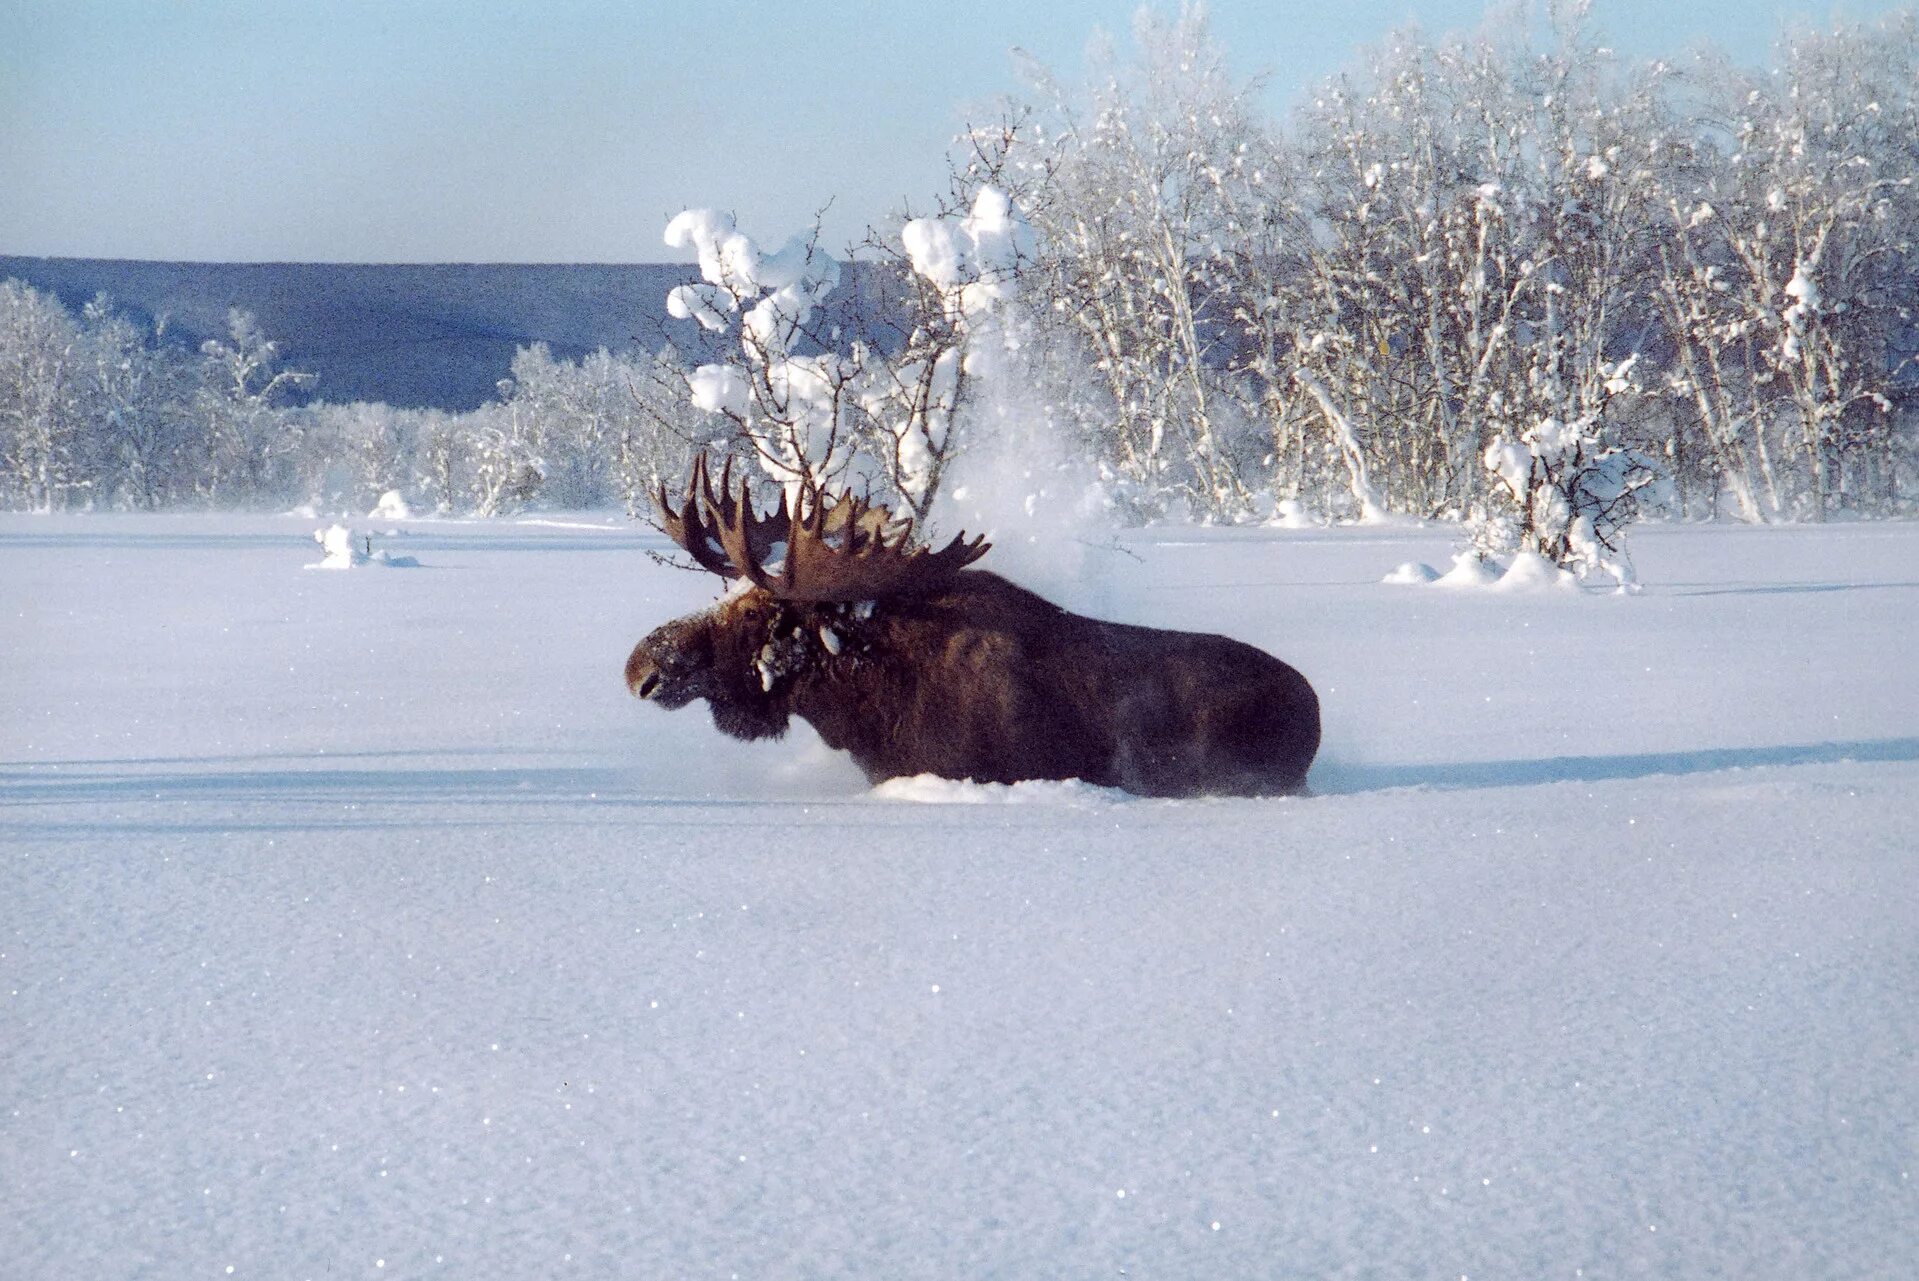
1529 571
705 303
728 257
1512 462
362 925
391 506
930 789
1523 571
347 550
1804 292
1291 513
1469 570
720 389
1411 573
971 260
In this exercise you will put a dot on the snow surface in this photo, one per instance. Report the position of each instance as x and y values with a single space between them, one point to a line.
362 925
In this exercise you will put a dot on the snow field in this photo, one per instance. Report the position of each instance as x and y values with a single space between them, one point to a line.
361 925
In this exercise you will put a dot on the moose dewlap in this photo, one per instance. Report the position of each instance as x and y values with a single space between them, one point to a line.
914 664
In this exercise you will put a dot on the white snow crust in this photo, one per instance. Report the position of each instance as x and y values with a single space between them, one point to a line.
361 925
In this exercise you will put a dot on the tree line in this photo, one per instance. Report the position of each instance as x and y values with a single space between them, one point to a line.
1506 277
1504 274
98 413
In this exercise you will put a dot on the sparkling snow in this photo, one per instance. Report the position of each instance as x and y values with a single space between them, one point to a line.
361 924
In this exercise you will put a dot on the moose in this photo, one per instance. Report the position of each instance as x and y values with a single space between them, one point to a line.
915 664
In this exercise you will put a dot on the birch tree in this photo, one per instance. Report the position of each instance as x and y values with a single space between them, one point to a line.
42 442
246 439
1138 233
1824 241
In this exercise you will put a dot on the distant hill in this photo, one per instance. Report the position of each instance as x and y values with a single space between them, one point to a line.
416 336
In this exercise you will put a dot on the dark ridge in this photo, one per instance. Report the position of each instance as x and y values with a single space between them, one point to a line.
417 336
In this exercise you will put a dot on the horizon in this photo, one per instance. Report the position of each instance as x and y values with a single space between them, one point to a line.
426 133
668 261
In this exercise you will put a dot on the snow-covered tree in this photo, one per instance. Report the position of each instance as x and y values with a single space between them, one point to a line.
817 410
1139 230
247 440
966 270
788 393
42 438
504 470
1480 207
139 399
1824 240
1697 288
373 446
1786 276
441 458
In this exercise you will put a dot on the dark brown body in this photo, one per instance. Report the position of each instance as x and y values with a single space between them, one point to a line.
979 679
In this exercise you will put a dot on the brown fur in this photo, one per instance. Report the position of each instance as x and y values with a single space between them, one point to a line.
980 679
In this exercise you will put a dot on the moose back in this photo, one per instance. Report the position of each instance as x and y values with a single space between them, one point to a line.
915 664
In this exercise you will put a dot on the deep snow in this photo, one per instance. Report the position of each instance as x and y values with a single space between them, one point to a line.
361 925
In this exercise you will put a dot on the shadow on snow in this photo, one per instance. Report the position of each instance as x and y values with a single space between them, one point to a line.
1336 778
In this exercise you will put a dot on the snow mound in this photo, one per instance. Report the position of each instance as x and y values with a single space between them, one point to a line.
1531 572
1528 572
392 506
1411 573
342 552
1467 571
1290 513
930 789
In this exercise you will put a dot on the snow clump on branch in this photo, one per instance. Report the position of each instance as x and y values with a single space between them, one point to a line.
973 261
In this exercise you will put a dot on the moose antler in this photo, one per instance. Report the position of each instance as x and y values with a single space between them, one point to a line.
829 547
697 524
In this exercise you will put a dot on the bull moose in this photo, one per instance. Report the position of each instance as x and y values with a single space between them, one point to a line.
915 664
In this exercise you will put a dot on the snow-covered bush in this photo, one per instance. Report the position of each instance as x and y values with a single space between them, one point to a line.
1568 497
787 393
816 411
347 550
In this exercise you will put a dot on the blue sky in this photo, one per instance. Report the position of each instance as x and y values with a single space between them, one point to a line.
570 130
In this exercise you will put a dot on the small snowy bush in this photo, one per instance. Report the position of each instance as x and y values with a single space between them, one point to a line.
346 550
814 418
1568 497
